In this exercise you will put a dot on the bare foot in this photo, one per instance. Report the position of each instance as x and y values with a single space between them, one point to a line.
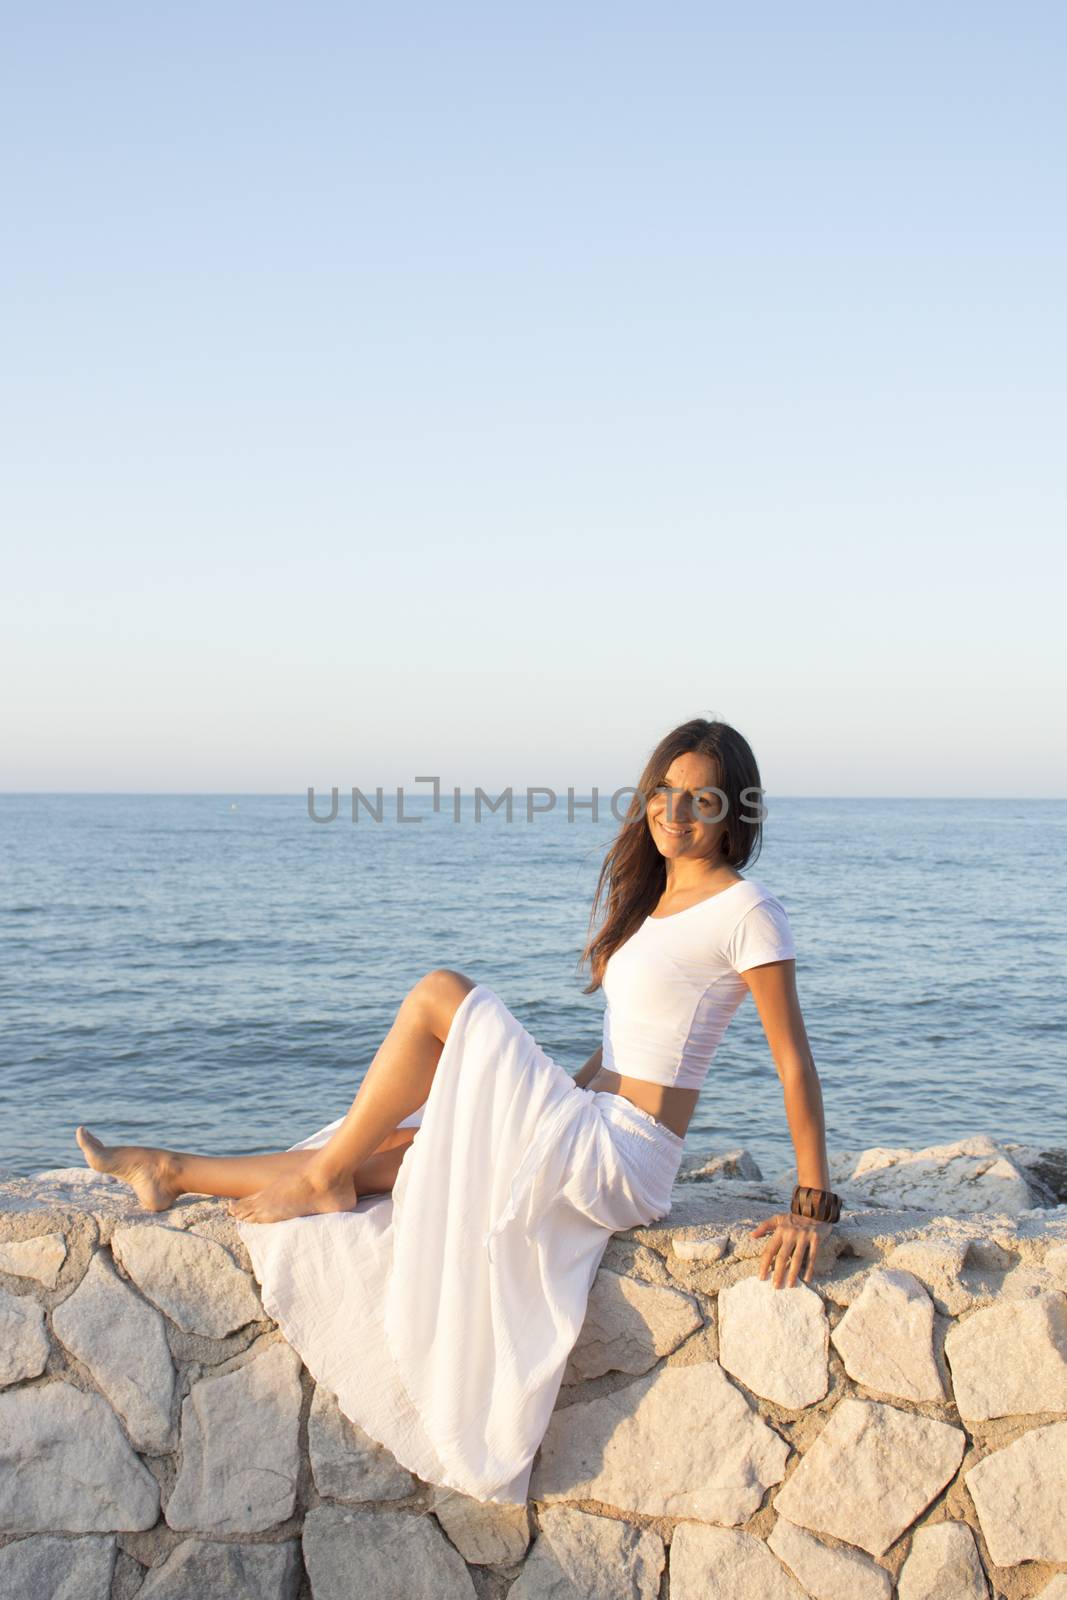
298 1194
152 1174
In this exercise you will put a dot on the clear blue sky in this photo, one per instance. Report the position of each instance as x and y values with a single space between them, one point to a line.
481 390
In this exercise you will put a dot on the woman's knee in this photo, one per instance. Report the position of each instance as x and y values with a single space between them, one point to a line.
438 995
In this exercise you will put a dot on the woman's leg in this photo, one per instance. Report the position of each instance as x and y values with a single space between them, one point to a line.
332 1177
397 1082
159 1176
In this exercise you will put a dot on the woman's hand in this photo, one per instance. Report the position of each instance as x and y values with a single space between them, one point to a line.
793 1239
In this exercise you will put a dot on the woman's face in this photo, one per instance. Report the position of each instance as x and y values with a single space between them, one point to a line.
688 823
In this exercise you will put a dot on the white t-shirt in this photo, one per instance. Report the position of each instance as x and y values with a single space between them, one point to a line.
672 988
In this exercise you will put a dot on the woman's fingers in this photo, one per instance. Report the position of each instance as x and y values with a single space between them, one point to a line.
792 1249
813 1251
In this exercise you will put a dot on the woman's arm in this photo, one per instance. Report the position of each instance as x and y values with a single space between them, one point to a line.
585 1074
774 990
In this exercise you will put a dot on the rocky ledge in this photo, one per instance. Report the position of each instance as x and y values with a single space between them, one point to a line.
898 1426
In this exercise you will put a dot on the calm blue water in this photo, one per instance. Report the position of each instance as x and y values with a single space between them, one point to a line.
216 972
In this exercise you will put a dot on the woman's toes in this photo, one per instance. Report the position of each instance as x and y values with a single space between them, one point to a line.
96 1154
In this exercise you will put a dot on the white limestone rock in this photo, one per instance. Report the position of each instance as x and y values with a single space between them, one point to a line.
602 1556
584 1557
776 1341
870 1473
1018 1493
886 1338
67 1189
193 1279
379 1554
972 1175
710 1248
542 1577
828 1572
43 1567
1056 1590
122 1342
1010 1359
943 1564
484 1532
24 1343
702 1165
938 1262
629 1325
681 1442
199 1570
41 1257
240 1457
346 1462
725 1564
66 1466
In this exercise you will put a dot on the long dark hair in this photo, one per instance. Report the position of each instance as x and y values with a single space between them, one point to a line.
634 874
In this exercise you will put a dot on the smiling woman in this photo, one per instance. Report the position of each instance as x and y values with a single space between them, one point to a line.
685 939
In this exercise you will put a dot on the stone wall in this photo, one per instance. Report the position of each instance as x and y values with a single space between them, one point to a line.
902 1422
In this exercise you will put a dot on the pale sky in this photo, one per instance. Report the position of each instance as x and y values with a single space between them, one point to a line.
482 390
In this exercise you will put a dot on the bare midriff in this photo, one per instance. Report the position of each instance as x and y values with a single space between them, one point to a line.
673 1107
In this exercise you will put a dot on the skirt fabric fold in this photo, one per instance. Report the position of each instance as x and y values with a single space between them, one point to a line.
442 1315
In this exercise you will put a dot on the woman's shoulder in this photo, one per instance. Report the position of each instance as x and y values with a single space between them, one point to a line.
761 890
760 930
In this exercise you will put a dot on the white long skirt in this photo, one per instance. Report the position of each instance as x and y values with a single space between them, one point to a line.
442 1315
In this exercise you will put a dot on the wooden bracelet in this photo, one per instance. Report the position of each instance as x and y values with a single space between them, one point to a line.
819 1204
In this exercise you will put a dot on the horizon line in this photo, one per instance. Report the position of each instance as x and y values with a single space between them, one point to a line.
294 794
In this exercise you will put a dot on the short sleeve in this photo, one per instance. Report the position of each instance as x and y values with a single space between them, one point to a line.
763 934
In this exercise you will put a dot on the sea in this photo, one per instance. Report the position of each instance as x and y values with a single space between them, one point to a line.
215 972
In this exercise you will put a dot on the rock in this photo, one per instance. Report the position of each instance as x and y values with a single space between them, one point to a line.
634 1448
603 1558
240 1456
24 1343
712 1248
886 1338
46 1568
972 1175
825 1571
629 1326
1010 1359
347 1463
1046 1170
193 1279
40 1257
870 1473
943 1564
197 1570
1018 1494
78 1189
485 1533
65 1465
1055 1263
776 1341
725 1564
381 1554
122 1342
583 1557
731 1164
937 1262
1056 1590
542 1577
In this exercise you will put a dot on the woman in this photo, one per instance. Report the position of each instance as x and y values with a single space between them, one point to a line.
369 1258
